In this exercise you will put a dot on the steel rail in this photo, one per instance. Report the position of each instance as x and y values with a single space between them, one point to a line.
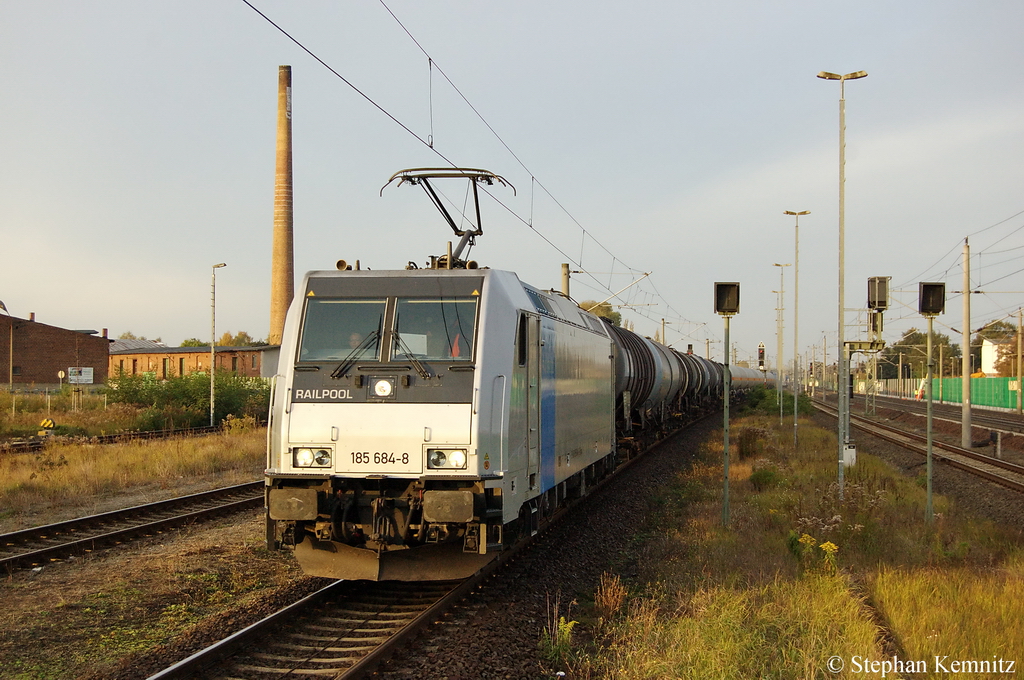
954 455
362 666
21 446
1005 421
91 532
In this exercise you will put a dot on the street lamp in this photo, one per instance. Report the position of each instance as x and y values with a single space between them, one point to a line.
213 331
780 327
796 314
842 396
10 346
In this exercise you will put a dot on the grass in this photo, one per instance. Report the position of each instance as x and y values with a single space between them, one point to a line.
29 482
21 414
99 618
801 575
116 604
917 603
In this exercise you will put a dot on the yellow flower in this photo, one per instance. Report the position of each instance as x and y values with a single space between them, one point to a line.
829 547
808 540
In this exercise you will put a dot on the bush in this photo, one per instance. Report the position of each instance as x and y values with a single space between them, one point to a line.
184 401
762 400
764 478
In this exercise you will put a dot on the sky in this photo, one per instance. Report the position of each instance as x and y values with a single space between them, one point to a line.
137 145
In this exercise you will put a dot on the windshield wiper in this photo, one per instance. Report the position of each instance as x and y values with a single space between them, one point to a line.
346 364
420 368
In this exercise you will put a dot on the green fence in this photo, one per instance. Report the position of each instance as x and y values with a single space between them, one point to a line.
994 392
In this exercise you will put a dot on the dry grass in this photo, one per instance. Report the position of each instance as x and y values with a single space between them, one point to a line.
965 612
21 414
83 474
782 589
96 612
784 629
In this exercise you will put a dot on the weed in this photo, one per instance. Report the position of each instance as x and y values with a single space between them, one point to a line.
610 596
556 638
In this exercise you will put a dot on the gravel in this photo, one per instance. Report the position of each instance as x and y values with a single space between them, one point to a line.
496 634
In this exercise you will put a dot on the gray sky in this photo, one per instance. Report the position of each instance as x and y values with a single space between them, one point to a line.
137 147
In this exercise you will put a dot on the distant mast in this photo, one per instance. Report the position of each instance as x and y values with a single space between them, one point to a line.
282 277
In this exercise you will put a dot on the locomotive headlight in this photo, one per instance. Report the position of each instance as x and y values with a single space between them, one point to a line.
311 457
446 459
383 387
303 457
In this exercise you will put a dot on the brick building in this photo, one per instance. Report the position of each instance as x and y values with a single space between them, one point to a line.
32 354
133 358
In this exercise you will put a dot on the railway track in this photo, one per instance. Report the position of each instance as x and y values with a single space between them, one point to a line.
993 469
994 419
37 444
344 630
45 544
348 628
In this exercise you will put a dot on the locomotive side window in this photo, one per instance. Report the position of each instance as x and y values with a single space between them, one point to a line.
435 330
341 329
522 340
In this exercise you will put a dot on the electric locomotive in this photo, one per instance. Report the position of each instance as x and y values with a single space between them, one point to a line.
425 419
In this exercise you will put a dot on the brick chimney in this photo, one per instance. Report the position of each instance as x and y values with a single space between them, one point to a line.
282 269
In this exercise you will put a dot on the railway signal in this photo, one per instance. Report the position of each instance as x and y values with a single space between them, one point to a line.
727 303
931 303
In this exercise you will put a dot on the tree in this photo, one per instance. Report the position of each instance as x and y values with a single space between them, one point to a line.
128 335
194 342
998 332
909 351
240 339
1006 363
603 310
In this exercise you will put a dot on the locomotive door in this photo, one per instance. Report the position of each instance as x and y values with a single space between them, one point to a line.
533 400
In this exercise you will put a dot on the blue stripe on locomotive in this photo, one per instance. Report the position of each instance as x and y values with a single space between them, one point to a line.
547 404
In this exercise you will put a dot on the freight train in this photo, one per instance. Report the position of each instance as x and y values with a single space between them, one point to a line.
424 420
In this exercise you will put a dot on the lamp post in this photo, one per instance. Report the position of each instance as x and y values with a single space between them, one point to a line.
796 313
781 327
213 331
10 348
842 395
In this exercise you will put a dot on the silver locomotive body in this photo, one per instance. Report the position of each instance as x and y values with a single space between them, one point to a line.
416 414
423 420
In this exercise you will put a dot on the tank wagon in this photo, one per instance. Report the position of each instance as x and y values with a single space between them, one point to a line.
423 420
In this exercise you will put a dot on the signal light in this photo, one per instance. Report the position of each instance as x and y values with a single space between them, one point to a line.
727 298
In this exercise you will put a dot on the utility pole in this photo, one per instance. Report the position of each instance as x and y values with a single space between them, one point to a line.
780 310
1020 374
965 360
